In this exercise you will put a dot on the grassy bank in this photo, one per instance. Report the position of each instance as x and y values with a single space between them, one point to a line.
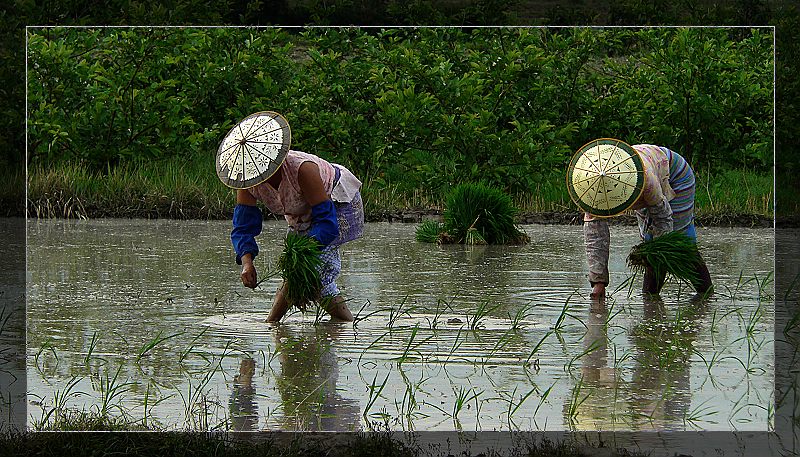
190 190
267 445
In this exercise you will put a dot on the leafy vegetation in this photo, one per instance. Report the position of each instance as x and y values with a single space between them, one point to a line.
405 108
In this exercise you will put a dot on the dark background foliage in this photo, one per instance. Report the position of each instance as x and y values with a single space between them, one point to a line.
16 14
418 107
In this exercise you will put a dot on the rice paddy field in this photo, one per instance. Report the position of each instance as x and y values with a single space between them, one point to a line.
146 322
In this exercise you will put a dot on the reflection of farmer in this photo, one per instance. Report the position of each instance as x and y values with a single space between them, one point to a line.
244 411
607 177
660 388
307 382
317 198
598 379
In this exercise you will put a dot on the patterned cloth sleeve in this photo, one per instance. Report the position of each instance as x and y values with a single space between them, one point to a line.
655 220
597 239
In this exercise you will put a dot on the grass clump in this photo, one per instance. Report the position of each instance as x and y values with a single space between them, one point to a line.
429 231
673 253
475 214
299 267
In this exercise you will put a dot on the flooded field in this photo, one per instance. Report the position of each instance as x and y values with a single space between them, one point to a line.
148 321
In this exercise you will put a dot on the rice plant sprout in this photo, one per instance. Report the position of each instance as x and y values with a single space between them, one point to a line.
299 267
673 253
475 214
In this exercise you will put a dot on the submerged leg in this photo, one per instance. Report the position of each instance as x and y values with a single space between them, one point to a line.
337 308
653 283
279 305
703 285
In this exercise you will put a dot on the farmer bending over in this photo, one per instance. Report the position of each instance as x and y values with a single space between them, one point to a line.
607 177
317 198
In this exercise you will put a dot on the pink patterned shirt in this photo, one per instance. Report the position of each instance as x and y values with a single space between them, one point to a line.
288 199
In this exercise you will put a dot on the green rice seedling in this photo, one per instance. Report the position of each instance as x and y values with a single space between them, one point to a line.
372 345
763 287
561 320
196 402
46 345
149 405
4 317
502 342
791 287
457 342
514 405
374 393
519 316
111 392
628 283
536 348
412 347
57 414
148 346
192 344
594 346
92 345
429 231
576 401
543 398
462 397
698 413
673 253
620 359
486 210
358 317
299 266
481 313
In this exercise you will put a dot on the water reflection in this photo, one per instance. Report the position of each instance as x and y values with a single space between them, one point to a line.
242 405
307 380
117 280
663 345
595 396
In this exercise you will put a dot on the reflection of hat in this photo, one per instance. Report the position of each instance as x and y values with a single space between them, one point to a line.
253 150
605 177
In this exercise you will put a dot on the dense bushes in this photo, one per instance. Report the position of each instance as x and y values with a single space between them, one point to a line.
422 108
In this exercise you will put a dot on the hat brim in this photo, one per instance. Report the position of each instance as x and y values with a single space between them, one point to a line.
253 150
612 181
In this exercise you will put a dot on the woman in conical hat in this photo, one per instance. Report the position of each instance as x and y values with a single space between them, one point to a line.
607 177
317 198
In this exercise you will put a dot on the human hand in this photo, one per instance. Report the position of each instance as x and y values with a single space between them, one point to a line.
249 274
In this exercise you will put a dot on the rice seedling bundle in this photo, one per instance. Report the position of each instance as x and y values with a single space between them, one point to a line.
429 231
486 210
298 265
673 253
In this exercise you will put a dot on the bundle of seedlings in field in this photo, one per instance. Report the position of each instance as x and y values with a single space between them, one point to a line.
673 253
298 265
475 214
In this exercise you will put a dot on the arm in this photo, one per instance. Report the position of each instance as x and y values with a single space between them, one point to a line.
655 220
247 220
597 239
324 225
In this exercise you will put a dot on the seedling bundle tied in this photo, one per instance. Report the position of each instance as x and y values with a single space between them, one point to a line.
475 214
673 253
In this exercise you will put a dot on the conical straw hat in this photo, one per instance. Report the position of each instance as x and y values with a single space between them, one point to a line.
605 177
253 150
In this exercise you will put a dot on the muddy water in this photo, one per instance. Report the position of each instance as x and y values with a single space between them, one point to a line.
148 319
